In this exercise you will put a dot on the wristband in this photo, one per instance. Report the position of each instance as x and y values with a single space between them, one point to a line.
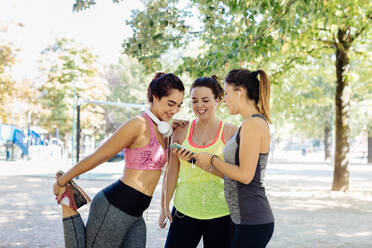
212 159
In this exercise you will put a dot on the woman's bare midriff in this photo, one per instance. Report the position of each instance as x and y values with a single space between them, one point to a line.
144 181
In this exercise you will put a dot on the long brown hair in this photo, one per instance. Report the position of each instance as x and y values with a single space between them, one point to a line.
264 97
257 89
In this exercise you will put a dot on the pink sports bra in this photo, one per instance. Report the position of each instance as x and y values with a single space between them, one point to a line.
150 157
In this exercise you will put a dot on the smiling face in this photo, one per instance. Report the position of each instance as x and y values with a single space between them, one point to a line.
231 98
167 106
203 102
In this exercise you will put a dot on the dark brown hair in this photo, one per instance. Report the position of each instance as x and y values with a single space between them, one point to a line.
257 90
211 83
162 83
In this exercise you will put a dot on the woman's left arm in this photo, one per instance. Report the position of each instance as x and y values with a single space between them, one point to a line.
250 142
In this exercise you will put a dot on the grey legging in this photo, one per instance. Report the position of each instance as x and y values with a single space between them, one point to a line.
107 226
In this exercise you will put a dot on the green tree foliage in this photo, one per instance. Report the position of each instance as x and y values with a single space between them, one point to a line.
233 34
160 27
85 4
7 60
339 25
269 34
17 97
23 104
127 84
276 35
361 85
71 70
307 101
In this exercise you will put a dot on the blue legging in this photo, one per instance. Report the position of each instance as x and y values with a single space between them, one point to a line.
255 236
107 227
186 232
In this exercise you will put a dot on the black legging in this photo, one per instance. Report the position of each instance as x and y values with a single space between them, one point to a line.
186 232
252 236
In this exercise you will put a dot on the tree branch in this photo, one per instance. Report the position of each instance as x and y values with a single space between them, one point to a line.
289 4
329 43
352 38
324 29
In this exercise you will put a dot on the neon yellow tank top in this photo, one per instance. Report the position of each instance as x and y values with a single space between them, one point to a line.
199 194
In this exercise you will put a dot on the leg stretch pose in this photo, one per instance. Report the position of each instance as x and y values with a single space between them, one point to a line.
115 217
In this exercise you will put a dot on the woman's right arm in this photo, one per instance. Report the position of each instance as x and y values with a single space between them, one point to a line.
123 137
169 185
170 179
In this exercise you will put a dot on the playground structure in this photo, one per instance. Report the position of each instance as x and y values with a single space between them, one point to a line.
20 143
14 143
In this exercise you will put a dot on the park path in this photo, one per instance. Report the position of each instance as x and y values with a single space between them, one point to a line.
307 213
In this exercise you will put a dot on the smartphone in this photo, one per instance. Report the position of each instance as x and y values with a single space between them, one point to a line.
178 146
164 224
175 146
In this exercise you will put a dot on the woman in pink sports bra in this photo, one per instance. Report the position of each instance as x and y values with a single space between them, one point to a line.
115 216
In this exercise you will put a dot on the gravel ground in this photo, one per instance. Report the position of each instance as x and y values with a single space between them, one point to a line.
307 213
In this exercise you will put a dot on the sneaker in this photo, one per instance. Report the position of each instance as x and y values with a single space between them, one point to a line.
75 194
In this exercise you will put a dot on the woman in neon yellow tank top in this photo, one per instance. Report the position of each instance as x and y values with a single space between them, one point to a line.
200 209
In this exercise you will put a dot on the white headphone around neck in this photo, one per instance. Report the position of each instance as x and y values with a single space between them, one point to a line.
163 127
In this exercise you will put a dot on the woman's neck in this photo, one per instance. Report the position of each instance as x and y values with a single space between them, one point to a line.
204 123
152 109
205 131
248 109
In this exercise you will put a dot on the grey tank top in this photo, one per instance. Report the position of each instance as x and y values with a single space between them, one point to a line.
247 203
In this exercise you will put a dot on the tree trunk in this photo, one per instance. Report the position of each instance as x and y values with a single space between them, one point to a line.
327 142
342 99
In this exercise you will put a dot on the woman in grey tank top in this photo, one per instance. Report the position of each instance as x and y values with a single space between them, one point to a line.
245 158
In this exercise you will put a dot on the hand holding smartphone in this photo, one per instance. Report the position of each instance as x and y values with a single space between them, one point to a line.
179 147
164 224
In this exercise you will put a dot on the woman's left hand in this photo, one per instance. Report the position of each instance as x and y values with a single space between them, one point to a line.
179 123
203 159
58 191
182 154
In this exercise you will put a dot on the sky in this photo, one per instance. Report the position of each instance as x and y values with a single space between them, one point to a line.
102 28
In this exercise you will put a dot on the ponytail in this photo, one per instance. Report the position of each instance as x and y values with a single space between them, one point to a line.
258 89
264 95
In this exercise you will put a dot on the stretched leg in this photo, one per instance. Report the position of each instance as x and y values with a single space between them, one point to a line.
217 233
74 229
71 199
73 226
184 231
136 235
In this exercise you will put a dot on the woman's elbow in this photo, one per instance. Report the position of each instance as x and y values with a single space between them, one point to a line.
246 180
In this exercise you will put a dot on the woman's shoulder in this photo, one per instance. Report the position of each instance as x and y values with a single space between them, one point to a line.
138 122
254 124
229 130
